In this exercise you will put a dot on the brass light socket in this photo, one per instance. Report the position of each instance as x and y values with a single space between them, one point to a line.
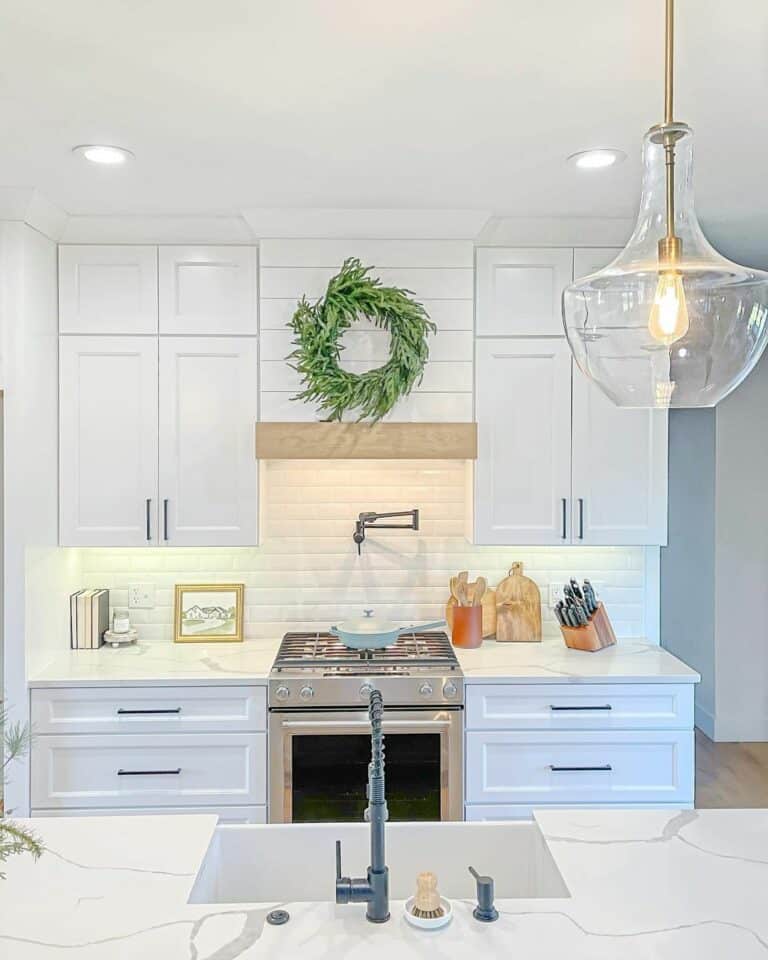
670 249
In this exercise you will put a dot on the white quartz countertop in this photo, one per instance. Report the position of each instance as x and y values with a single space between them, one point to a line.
630 661
642 884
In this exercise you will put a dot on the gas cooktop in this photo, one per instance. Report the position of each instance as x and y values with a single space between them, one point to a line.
315 669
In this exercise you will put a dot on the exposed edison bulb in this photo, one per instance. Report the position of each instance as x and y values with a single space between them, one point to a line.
669 314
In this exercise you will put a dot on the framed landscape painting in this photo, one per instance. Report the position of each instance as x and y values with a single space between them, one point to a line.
208 613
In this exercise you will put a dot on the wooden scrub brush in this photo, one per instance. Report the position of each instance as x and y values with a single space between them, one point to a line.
426 903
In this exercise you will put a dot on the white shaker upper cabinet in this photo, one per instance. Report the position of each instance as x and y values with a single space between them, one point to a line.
208 469
108 445
107 289
619 470
523 470
208 290
619 456
519 290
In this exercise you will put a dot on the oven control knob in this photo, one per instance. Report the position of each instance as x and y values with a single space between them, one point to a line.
366 690
450 689
426 690
282 693
306 693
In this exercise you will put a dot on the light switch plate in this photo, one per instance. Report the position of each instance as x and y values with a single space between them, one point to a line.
141 596
555 594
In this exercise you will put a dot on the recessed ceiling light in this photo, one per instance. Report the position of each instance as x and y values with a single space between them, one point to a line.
597 159
103 153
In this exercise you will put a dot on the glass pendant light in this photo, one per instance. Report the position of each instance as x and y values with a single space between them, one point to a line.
670 322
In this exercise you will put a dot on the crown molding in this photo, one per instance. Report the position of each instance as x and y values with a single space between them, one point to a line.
115 229
556 231
280 223
28 205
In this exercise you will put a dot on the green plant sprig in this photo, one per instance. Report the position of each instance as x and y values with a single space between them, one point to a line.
318 328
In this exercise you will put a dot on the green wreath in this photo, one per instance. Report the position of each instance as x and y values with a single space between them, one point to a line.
319 327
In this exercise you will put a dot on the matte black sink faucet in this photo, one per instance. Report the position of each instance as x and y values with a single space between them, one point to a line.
374 888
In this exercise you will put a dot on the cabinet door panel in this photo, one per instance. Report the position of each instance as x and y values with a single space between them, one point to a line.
107 289
207 290
108 440
522 474
619 470
519 290
208 469
588 260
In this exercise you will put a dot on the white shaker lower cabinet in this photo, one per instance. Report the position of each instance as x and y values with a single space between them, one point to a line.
586 744
108 440
150 750
523 469
208 470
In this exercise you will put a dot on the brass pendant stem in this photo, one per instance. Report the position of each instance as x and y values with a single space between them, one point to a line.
669 62
671 249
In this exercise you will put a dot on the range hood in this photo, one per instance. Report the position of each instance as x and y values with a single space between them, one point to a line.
366 441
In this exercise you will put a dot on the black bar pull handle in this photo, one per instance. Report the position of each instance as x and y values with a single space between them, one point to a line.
149 773
597 706
165 520
149 517
130 713
581 518
564 506
604 768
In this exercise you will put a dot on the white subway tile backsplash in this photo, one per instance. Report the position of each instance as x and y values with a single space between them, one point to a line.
307 574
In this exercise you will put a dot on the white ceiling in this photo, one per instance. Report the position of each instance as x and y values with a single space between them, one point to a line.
395 103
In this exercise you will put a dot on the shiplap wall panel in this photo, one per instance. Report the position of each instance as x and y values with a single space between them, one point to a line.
307 574
446 314
440 273
377 252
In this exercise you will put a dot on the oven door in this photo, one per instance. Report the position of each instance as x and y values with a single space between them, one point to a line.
319 765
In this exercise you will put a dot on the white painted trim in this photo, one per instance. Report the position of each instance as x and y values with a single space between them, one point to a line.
157 230
704 720
314 222
29 206
555 232
653 594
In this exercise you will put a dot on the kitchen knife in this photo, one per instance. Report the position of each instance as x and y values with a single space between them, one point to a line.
576 589
581 615
559 613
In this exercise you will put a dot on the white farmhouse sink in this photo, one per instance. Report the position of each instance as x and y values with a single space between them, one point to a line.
288 863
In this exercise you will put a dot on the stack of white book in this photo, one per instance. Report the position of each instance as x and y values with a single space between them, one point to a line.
88 619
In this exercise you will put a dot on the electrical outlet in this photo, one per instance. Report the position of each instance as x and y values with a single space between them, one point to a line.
555 594
141 596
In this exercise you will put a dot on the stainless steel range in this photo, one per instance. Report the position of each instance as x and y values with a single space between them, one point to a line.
319 731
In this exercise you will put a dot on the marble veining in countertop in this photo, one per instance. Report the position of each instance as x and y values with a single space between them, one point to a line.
686 885
630 661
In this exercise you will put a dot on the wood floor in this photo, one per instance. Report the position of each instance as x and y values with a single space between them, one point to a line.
731 774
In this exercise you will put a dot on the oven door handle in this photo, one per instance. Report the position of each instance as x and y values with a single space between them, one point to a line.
363 724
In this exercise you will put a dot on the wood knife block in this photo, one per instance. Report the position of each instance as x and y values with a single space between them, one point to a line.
597 635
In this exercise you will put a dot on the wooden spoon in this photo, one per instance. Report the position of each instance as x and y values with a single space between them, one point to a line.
455 588
480 588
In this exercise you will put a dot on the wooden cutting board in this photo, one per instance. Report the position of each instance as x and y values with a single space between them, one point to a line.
518 608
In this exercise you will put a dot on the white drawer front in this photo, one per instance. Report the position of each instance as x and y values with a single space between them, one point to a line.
65 710
149 770
589 706
654 766
480 812
225 814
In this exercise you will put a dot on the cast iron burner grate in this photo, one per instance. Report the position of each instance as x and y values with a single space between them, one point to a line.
324 649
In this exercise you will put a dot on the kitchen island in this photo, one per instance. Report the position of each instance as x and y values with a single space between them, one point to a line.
684 884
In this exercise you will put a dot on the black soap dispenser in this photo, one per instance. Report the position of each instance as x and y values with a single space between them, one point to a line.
485 910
